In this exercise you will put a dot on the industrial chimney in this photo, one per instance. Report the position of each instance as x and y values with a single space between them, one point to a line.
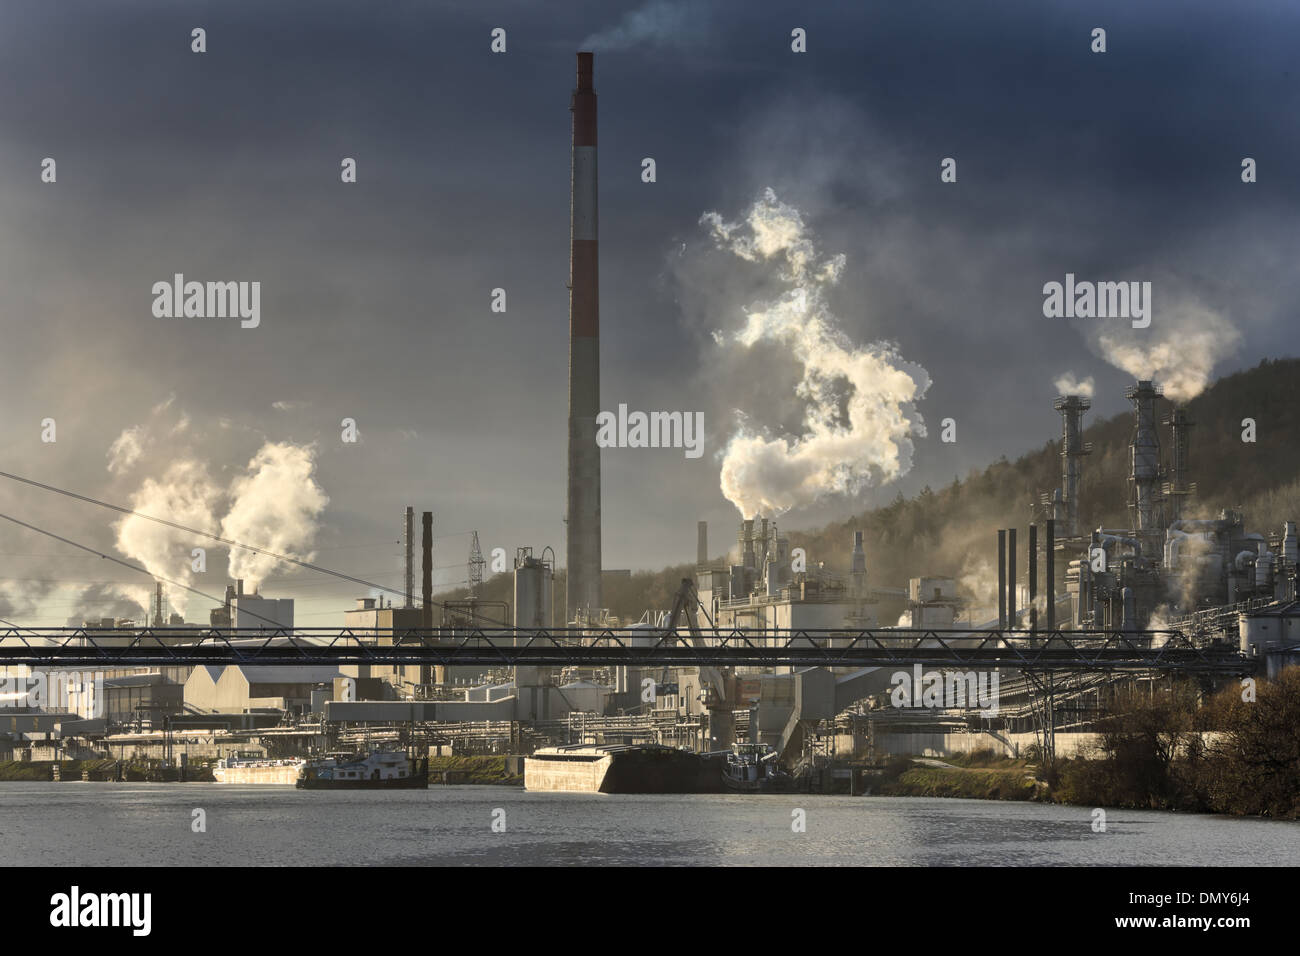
583 538
1180 489
1144 458
426 569
1073 448
858 567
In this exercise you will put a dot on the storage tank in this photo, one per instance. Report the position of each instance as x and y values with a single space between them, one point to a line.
533 586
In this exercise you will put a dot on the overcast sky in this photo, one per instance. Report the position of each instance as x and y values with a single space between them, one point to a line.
375 295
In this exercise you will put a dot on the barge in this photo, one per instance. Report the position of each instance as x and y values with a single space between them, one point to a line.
613 768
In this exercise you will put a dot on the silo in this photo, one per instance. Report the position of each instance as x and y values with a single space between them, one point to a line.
532 592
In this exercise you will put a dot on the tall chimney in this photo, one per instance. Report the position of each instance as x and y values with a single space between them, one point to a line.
583 539
410 560
702 545
1002 580
1180 426
1144 458
1032 567
426 548
1073 448
858 567
1051 574
1011 578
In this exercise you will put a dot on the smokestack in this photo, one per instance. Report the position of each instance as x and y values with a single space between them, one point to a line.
239 587
702 544
426 558
747 542
583 539
1144 458
1011 578
410 560
1002 580
1051 575
1180 489
1033 577
1073 448
858 567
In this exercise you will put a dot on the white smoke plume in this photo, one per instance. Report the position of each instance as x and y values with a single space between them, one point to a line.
1068 384
274 506
859 416
273 503
1178 354
657 24
126 449
184 494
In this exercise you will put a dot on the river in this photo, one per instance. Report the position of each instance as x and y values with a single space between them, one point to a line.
107 824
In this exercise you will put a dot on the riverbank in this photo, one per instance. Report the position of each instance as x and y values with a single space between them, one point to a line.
977 776
101 769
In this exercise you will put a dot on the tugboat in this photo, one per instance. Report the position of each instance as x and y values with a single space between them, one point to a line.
377 770
752 768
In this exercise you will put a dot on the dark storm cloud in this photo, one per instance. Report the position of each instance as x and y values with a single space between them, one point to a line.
375 295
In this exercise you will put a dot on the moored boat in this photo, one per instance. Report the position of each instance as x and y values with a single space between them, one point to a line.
377 770
752 768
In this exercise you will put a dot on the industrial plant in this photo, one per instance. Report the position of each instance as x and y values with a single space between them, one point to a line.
1210 586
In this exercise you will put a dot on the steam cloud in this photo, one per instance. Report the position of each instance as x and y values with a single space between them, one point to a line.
859 416
1182 354
274 506
1067 384
185 494
657 24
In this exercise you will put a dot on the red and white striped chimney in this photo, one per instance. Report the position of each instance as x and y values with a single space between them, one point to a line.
583 538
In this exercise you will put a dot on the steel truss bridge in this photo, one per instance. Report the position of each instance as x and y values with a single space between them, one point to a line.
1085 651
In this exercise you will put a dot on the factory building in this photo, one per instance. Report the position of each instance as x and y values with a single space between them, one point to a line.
1166 565
238 688
376 621
764 591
